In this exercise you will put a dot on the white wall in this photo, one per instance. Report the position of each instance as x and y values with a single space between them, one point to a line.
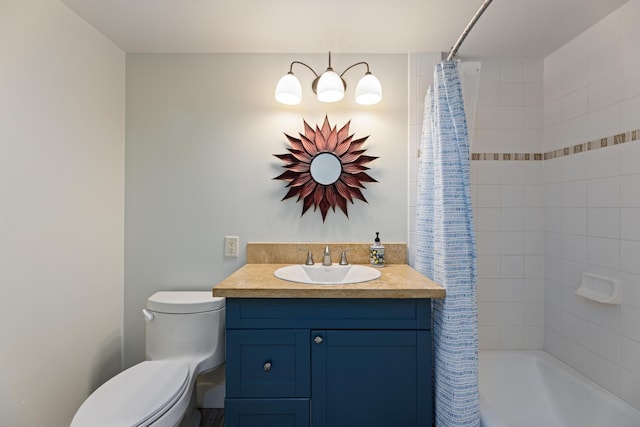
201 134
592 222
61 211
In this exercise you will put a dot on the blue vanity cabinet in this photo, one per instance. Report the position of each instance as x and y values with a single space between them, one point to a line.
328 362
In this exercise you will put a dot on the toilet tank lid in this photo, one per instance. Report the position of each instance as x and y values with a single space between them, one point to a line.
184 302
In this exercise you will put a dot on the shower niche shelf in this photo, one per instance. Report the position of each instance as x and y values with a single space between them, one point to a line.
600 289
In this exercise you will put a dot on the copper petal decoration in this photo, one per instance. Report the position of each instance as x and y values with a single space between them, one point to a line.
297 165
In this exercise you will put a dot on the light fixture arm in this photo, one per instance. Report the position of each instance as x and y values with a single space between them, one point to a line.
302 63
351 66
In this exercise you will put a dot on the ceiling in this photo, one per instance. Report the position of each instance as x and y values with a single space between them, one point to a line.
508 28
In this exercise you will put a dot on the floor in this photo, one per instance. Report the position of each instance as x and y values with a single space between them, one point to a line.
212 418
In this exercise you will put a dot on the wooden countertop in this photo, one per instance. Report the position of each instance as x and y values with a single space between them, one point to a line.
258 281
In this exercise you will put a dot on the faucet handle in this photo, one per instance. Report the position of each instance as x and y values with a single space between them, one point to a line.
309 260
343 257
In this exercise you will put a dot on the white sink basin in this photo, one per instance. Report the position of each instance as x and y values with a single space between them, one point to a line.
335 274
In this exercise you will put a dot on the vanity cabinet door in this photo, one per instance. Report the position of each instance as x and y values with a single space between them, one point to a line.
267 363
373 378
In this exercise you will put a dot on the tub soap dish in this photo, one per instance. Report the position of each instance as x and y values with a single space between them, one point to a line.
601 289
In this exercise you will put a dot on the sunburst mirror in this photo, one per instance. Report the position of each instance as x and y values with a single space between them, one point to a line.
325 168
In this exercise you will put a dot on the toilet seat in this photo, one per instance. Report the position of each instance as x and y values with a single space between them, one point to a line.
136 397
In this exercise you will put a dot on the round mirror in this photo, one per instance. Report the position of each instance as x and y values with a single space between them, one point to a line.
325 168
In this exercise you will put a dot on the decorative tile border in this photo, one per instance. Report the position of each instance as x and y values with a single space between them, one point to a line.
596 144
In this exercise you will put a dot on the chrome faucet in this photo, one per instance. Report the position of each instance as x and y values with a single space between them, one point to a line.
326 256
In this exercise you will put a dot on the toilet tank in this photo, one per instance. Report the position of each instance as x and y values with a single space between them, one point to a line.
186 325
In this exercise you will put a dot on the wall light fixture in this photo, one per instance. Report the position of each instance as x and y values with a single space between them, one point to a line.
329 86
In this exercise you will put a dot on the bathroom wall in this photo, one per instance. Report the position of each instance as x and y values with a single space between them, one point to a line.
507 195
61 212
201 134
592 199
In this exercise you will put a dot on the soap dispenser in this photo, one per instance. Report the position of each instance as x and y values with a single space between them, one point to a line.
376 252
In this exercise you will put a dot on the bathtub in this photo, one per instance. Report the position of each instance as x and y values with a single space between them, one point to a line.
534 389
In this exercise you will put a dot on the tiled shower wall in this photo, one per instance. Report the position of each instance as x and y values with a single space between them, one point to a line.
592 199
507 197
552 199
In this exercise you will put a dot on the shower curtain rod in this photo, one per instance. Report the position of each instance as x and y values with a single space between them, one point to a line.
465 33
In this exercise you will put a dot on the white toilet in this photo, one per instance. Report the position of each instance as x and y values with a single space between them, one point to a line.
185 337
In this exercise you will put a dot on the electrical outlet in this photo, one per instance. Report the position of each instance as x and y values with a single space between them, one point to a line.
231 244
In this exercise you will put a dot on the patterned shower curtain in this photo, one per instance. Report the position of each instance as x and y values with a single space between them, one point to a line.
445 249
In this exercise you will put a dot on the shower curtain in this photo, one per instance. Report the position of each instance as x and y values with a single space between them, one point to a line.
445 249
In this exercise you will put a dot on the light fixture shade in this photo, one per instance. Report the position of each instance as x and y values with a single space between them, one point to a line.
289 90
330 87
368 90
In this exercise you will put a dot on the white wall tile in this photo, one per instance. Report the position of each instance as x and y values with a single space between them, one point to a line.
511 219
604 342
533 94
486 140
603 252
489 196
602 63
534 289
533 337
630 319
604 192
604 122
533 70
630 256
630 355
512 117
606 316
488 117
512 337
533 242
630 223
574 221
511 266
488 290
511 243
489 93
512 70
488 266
488 242
511 196
604 222
630 284
603 163
512 94
629 110
487 219
574 104
604 92
629 79
489 337
629 194
488 172
512 290
630 388
604 372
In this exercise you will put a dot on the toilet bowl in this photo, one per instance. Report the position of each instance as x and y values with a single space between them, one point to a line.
184 338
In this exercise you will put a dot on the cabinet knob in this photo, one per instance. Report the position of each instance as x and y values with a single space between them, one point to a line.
318 339
267 366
